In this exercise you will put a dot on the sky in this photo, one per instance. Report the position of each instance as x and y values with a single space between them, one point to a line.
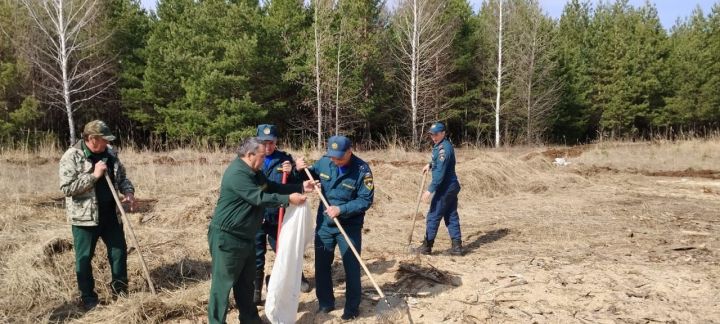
669 10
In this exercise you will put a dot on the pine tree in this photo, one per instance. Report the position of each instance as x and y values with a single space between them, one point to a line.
574 120
709 108
201 61
688 62
463 93
130 25
285 33
19 109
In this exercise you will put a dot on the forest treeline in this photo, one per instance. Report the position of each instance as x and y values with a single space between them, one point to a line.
211 70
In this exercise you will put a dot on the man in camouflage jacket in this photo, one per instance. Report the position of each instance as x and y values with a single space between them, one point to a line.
91 208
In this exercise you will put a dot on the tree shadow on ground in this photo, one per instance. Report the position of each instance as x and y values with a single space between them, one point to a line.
180 274
486 238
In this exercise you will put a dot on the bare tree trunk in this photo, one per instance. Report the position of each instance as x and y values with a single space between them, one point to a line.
529 92
413 73
317 80
499 80
337 79
60 27
533 68
65 56
424 38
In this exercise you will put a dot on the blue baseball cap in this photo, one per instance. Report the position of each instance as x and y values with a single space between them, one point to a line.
337 146
436 128
267 132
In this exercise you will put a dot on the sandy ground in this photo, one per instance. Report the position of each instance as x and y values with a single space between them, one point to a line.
602 240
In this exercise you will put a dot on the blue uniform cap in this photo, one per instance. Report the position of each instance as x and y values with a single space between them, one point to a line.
337 146
266 132
436 128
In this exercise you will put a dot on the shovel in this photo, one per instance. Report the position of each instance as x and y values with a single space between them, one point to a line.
417 208
126 221
388 307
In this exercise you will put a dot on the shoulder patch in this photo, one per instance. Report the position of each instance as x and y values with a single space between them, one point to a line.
368 181
441 154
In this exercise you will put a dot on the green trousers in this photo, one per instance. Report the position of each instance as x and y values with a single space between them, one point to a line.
85 239
233 266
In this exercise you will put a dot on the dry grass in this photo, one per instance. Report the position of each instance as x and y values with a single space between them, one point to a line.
655 156
565 230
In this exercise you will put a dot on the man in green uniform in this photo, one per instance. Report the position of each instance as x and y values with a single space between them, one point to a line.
244 195
347 184
91 207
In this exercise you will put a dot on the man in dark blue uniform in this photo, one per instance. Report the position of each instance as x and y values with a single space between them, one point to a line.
275 164
444 190
347 184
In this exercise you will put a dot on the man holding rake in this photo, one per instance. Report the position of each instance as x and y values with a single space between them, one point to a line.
444 190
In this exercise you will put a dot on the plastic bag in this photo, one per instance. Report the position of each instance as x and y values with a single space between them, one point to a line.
283 291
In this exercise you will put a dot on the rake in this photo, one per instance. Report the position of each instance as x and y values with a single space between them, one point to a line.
388 307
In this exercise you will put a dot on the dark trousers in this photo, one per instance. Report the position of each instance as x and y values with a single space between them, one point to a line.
85 239
325 240
232 267
266 234
444 206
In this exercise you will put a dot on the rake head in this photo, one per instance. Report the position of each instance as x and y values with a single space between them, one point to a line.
392 309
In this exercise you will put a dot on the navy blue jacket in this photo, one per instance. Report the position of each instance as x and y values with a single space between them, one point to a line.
273 172
352 192
442 166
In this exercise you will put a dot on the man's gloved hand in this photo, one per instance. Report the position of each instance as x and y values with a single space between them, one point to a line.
130 199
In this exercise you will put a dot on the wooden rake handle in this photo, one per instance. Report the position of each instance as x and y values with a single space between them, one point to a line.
126 221
281 216
417 207
342 230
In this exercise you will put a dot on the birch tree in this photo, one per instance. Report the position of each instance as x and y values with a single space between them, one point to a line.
499 76
337 78
318 88
533 78
422 44
67 53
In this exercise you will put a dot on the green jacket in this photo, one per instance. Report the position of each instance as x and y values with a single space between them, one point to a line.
78 185
244 195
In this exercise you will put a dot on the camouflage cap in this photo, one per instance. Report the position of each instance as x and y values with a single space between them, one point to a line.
98 128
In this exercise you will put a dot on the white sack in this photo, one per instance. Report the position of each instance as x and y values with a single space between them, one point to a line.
283 291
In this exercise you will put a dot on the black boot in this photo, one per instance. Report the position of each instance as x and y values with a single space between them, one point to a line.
257 295
456 247
426 247
304 284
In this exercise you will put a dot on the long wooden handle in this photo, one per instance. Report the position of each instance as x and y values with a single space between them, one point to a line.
132 233
342 230
281 215
417 207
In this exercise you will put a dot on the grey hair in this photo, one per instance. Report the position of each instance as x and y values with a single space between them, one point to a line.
249 145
